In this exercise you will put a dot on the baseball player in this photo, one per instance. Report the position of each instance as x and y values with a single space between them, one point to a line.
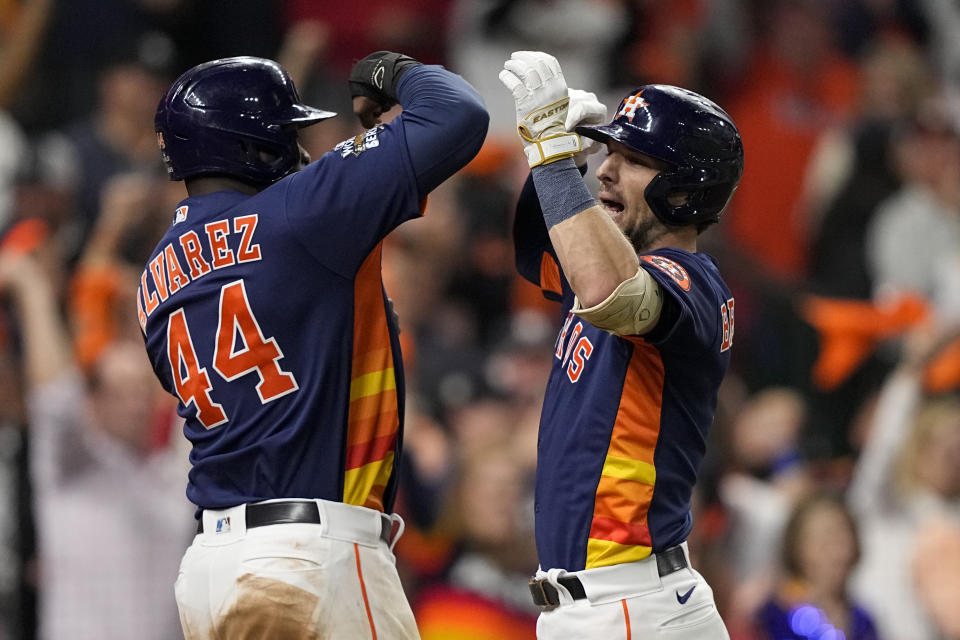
263 311
643 348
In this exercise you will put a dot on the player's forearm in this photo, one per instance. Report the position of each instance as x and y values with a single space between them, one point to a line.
445 122
593 252
594 255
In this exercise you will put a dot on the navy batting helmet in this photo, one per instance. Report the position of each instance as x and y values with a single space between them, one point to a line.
690 133
236 117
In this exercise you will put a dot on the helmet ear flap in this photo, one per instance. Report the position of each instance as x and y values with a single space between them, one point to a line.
672 199
706 189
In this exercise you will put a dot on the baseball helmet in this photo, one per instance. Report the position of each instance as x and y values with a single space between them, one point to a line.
236 117
694 136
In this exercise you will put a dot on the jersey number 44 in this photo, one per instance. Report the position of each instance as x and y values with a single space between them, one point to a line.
258 354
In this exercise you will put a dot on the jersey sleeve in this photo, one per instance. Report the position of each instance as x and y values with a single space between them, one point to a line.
691 318
535 257
342 205
346 202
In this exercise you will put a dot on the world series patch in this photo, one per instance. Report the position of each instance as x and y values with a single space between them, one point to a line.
358 144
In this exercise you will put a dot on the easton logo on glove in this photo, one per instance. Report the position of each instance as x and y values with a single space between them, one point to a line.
555 111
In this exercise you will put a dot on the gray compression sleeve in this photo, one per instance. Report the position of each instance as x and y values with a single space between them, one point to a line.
561 191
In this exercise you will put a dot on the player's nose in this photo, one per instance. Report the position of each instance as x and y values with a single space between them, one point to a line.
607 171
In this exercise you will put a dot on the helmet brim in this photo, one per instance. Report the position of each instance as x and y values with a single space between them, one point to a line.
302 115
618 133
602 132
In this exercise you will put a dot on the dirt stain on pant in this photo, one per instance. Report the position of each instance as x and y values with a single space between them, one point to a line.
270 609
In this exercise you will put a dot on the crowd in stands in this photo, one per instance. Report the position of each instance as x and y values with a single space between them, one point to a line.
829 502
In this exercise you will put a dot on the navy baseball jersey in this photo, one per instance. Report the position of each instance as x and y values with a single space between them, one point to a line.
266 316
625 418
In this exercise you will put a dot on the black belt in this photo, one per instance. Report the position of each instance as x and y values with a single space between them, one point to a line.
545 594
261 514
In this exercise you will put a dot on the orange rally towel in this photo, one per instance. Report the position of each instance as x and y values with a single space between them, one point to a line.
850 330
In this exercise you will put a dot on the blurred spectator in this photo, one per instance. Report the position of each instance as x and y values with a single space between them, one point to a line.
666 47
518 367
351 30
943 17
118 137
907 473
853 171
861 23
301 54
820 549
766 478
916 231
135 211
85 37
21 34
821 89
581 34
797 84
112 516
484 595
15 515
13 150
22 28
936 565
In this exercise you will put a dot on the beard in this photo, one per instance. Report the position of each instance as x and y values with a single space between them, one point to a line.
645 232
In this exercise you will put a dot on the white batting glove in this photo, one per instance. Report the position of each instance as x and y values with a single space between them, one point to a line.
540 92
585 109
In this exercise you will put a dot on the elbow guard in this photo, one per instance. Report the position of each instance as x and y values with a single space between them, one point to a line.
632 309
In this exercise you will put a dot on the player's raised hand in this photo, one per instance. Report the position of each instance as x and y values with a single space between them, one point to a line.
540 93
585 109
373 83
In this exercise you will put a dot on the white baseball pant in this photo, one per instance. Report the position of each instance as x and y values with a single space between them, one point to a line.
336 580
631 601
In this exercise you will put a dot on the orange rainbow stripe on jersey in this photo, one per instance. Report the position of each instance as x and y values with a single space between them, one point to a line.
373 420
619 530
550 274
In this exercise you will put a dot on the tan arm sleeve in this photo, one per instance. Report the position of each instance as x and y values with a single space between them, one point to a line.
632 309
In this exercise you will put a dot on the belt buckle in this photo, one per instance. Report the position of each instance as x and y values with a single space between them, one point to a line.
539 593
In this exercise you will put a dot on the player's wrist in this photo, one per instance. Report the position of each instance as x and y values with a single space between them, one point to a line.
376 76
549 148
561 190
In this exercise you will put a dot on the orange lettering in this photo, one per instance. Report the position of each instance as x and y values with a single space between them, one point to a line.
246 225
217 233
191 249
176 276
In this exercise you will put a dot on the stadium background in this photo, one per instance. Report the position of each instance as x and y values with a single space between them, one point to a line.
842 247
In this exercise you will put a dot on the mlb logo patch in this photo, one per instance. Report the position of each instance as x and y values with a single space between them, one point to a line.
181 215
223 525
